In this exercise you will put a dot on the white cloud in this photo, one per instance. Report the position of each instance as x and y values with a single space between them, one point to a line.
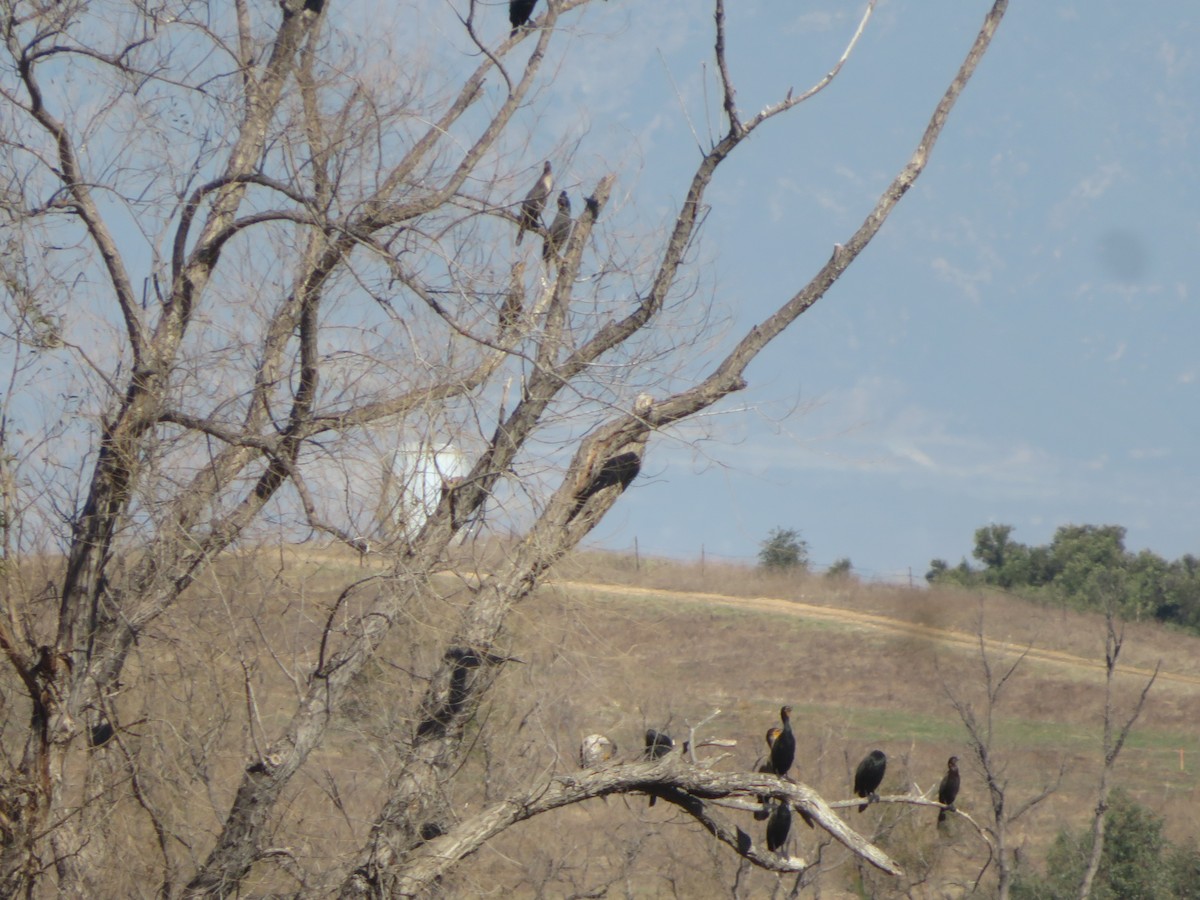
968 283
1090 188
1096 185
1149 453
913 454
968 258
814 21
783 201
1175 61
872 428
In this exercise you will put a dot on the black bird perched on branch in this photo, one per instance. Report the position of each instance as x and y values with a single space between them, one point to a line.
779 826
559 231
764 767
783 749
767 767
617 468
658 745
519 12
100 734
462 663
535 202
948 789
620 469
868 776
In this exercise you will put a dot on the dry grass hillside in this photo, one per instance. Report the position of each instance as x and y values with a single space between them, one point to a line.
864 666
615 648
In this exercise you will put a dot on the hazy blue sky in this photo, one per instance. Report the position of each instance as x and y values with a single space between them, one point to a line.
1019 345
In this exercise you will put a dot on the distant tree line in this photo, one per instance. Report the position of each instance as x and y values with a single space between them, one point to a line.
1085 566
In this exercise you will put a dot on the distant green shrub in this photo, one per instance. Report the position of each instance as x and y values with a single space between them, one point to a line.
1137 863
841 568
783 549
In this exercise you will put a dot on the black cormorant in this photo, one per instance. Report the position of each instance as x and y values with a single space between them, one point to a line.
868 776
100 734
779 825
783 750
620 469
948 789
658 744
560 229
535 202
764 767
519 12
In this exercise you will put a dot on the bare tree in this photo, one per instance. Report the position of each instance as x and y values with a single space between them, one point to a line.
979 722
1114 742
245 257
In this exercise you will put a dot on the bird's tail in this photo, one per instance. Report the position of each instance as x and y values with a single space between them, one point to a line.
863 807
941 816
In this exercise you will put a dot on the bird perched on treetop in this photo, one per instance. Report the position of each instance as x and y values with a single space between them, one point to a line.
535 202
948 789
519 12
559 231
868 776
783 749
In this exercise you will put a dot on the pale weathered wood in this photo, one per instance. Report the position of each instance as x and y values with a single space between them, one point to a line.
671 779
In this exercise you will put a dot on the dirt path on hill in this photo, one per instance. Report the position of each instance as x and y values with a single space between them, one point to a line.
802 610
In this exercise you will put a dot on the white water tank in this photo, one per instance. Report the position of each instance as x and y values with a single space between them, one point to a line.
422 470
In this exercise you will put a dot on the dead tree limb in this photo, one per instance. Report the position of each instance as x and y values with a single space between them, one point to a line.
688 787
